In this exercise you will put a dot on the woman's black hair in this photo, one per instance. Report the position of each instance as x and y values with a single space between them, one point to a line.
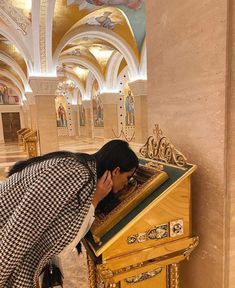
115 153
81 157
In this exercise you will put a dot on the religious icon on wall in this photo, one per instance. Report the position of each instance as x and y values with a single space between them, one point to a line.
97 106
8 96
130 112
97 112
82 115
61 114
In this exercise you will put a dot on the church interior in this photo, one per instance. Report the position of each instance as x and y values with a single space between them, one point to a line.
75 74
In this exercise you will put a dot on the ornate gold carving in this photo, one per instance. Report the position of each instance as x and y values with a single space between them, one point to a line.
191 247
155 165
143 276
144 182
91 272
174 276
11 12
159 148
105 272
156 233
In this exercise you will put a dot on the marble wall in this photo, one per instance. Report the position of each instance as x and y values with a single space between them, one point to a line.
187 70
230 153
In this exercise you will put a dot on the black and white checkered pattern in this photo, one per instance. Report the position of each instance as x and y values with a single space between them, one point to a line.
41 211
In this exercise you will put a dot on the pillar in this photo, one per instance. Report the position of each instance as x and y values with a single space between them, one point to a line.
32 119
44 91
110 108
139 92
86 131
187 97
26 115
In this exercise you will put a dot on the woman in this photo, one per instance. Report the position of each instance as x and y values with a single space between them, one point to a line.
45 201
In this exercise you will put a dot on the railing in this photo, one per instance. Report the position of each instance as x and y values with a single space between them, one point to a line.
123 136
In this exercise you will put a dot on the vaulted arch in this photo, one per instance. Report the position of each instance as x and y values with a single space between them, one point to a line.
101 33
15 81
89 65
19 44
11 62
112 71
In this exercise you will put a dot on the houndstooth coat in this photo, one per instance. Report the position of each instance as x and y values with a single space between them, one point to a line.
41 211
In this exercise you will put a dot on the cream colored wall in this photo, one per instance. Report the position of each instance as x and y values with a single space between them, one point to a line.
186 43
9 109
230 179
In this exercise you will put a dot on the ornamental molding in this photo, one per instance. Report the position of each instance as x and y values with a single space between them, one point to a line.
44 85
138 88
143 276
42 31
14 16
159 148
155 233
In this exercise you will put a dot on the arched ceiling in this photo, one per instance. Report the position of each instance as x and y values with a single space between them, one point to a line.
85 37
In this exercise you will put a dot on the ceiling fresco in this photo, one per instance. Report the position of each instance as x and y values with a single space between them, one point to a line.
133 9
79 38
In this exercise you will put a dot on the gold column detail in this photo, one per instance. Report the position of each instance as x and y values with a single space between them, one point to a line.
191 247
91 272
174 276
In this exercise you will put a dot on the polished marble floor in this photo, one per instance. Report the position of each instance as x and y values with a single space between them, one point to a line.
74 265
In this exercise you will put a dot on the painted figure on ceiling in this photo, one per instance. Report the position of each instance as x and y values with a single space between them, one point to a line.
133 4
103 20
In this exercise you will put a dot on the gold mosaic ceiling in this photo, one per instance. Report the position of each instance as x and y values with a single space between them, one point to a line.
66 18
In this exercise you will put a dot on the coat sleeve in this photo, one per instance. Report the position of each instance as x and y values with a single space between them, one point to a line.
42 201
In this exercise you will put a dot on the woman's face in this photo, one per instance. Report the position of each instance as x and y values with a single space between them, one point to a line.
120 179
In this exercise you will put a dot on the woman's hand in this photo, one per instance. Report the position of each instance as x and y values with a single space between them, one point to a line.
103 187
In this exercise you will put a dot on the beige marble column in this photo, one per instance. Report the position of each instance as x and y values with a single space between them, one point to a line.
44 91
110 109
32 117
187 96
26 114
139 92
230 153
86 131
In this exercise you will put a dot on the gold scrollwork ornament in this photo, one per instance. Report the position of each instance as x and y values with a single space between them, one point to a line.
159 147
143 276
